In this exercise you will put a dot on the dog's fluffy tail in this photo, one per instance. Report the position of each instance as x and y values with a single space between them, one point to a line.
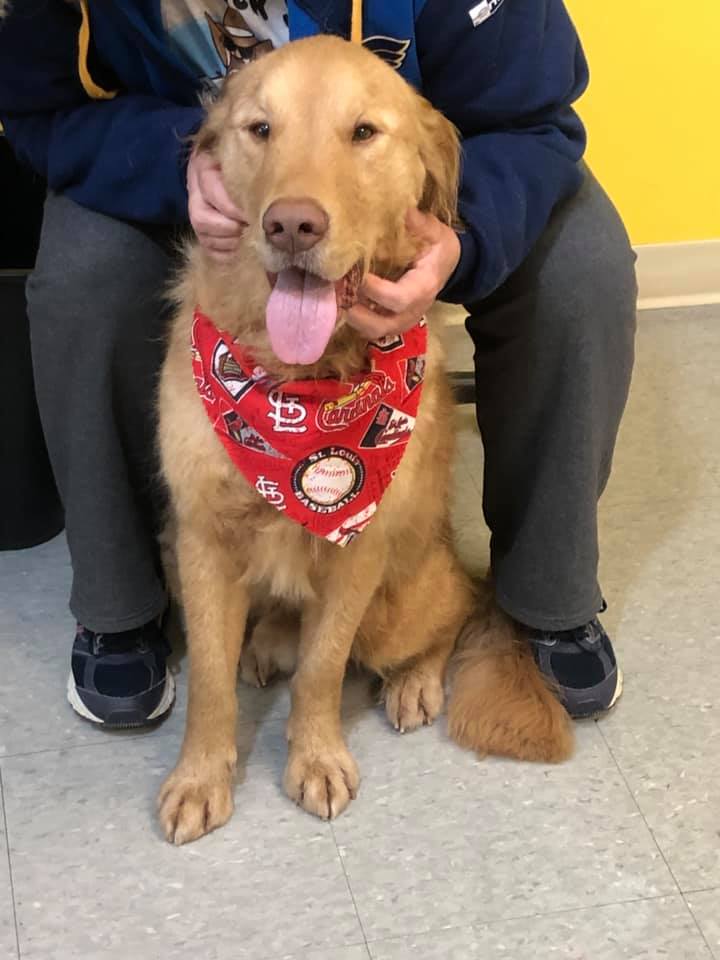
500 703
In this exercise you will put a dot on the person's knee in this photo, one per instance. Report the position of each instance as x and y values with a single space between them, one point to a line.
93 272
587 291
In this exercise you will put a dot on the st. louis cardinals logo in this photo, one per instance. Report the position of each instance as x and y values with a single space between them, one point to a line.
270 489
288 415
340 413
328 479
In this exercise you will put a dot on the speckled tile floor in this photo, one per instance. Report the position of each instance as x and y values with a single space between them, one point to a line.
614 855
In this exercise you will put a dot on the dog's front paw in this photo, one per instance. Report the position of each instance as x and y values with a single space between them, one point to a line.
195 799
322 781
414 698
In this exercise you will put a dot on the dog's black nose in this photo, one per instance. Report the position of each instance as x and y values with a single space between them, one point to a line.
295 225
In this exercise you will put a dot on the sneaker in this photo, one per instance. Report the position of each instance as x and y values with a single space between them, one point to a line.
581 665
121 679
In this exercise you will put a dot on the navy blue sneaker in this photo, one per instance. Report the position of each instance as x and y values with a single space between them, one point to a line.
121 679
581 666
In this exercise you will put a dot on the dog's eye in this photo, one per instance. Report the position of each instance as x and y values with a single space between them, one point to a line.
260 130
363 131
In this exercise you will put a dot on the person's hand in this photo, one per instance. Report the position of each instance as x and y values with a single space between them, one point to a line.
387 307
214 217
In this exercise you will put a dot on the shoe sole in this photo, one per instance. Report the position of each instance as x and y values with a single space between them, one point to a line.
166 701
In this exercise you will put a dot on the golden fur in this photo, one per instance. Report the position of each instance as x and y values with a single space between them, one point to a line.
396 598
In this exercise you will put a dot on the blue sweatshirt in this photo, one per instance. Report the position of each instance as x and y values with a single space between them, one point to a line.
102 107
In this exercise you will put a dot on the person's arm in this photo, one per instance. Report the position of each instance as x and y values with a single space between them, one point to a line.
124 157
508 85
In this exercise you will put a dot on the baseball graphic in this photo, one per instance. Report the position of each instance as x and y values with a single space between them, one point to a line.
328 481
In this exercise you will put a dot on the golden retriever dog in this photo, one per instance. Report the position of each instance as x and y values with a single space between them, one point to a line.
325 149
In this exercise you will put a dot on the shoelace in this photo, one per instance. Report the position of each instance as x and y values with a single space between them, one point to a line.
103 644
588 637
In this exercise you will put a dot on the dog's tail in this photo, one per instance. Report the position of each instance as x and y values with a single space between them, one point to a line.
500 703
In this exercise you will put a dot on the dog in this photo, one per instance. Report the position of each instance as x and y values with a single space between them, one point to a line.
340 549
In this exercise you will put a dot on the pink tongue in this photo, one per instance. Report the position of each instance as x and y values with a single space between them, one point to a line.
300 316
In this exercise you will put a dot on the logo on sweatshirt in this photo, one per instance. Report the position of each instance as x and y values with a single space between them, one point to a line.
483 11
389 49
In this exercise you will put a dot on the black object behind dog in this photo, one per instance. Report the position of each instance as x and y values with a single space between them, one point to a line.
30 510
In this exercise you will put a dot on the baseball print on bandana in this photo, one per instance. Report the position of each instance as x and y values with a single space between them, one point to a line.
321 451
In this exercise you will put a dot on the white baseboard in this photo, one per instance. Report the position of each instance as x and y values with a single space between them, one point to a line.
678 274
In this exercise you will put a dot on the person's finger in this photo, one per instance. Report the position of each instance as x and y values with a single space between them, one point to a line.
366 322
373 325
214 193
209 221
424 225
387 293
410 290
221 244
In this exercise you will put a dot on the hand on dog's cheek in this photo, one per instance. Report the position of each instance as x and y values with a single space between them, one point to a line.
215 219
399 305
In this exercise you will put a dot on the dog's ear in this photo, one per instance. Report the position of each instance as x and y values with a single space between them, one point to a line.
218 114
440 154
207 137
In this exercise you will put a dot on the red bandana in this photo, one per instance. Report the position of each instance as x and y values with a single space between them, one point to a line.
322 451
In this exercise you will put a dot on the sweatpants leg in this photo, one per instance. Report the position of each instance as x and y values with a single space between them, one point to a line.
97 324
554 348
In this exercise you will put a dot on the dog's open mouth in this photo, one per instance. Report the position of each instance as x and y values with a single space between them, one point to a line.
303 309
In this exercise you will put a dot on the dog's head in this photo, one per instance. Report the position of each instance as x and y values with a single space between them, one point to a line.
325 148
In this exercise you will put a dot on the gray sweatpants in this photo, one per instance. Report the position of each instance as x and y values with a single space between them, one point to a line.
554 353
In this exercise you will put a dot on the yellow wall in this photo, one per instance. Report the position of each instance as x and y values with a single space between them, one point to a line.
653 112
